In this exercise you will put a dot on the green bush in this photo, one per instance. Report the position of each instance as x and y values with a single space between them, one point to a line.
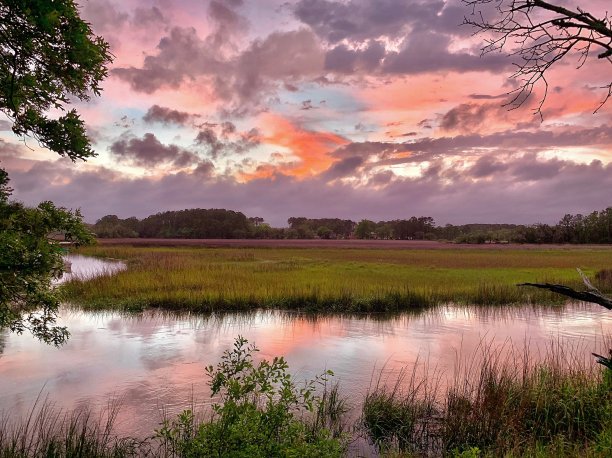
261 413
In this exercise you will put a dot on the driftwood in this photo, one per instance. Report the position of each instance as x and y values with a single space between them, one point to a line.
591 294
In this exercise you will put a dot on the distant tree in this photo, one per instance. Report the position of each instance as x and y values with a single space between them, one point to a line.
365 229
325 232
48 56
540 34
384 231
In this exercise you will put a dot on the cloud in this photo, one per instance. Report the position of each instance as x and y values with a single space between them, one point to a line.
241 80
360 32
530 168
311 148
146 17
341 59
9 150
469 116
428 51
148 151
279 59
166 116
216 148
360 20
344 167
574 188
181 56
486 166
103 15
510 142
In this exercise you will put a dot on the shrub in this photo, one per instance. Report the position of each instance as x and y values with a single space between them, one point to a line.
261 413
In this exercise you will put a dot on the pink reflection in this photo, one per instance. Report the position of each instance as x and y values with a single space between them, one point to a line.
156 362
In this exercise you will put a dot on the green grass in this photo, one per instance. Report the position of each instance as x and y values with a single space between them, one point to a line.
328 280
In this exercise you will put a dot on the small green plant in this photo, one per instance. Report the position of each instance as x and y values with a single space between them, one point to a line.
261 413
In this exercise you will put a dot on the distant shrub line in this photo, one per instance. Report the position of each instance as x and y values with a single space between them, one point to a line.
226 224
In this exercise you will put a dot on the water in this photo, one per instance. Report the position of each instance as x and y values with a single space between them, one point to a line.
156 361
86 267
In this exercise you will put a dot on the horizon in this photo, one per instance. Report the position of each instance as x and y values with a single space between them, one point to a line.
286 224
352 109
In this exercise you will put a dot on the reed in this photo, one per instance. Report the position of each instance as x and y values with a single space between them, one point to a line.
498 403
51 432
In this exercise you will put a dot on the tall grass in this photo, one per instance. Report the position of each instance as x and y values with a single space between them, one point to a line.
51 432
327 280
498 403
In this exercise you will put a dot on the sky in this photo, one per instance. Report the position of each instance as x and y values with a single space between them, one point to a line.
378 109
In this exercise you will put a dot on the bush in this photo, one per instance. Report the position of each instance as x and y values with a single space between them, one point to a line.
261 413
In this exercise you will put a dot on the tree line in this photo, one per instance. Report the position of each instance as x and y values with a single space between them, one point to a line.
227 224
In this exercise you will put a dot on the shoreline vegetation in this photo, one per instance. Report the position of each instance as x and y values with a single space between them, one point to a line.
504 405
330 280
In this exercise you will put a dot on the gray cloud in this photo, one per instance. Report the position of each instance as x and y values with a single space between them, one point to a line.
469 116
181 55
425 27
282 58
103 15
530 168
486 166
342 168
166 115
428 51
216 148
513 142
148 151
146 17
360 20
341 59
246 78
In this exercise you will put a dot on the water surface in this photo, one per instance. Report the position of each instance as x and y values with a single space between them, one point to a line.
156 361
87 267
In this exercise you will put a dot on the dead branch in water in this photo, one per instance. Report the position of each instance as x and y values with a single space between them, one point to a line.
591 294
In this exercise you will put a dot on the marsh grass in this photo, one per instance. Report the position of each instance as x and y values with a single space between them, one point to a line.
499 402
327 280
51 432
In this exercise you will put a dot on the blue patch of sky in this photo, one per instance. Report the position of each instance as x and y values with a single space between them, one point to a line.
330 108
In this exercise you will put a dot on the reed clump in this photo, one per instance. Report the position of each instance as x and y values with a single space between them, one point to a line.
51 432
499 404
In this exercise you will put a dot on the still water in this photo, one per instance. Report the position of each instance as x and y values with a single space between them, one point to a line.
86 267
155 362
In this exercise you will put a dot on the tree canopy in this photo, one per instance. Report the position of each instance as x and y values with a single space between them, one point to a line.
48 56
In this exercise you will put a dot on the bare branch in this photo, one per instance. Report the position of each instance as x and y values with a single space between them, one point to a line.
539 34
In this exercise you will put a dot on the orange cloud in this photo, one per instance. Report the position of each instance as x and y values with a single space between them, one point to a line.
310 147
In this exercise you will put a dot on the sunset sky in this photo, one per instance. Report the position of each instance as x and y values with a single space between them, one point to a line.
378 109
